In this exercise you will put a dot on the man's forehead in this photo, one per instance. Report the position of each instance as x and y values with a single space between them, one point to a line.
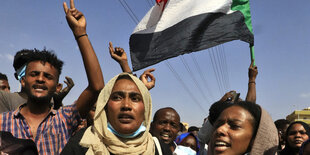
168 114
40 66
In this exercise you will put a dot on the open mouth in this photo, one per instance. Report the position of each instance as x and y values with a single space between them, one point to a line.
220 146
39 88
165 136
298 141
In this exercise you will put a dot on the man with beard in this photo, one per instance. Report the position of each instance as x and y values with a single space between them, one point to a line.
50 129
11 101
166 125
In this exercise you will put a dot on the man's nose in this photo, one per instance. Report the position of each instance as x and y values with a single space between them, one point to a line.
167 127
40 78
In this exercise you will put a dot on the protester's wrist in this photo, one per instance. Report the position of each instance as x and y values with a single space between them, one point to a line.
78 32
252 82
123 62
252 79
80 36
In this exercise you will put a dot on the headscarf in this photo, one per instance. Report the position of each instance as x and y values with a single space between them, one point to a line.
181 137
288 149
100 140
266 139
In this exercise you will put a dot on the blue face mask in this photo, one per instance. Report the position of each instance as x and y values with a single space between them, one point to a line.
133 135
21 72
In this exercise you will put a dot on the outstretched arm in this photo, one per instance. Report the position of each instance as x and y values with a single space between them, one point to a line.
144 78
77 22
119 55
251 95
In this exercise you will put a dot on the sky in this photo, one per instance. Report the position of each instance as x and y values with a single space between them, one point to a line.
282 51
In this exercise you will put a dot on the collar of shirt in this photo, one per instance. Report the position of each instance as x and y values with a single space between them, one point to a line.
17 113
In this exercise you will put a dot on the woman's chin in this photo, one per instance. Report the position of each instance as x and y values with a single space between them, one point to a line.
126 130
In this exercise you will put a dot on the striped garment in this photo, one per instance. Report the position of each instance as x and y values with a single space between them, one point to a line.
52 134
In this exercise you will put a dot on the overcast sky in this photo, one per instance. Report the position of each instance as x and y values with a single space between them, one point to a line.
282 44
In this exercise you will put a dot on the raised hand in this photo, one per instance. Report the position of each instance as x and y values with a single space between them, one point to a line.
59 96
147 74
75 19
117 53
251 95
69 82
77 22
252 72
229 96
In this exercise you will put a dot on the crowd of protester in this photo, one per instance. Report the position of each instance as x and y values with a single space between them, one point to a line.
115 118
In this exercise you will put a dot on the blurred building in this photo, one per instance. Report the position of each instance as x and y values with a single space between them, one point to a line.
300 115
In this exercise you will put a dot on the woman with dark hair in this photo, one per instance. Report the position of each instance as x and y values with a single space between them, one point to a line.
242 128
296 133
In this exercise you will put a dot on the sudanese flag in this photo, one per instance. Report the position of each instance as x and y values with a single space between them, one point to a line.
175 27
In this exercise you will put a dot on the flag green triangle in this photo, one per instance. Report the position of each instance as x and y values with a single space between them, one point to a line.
244 7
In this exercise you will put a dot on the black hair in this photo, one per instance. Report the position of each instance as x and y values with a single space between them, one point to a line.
21 58
3 77
46 56
193 128
216 109
280 123
182 127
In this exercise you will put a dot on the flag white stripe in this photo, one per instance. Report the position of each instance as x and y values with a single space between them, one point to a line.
178 10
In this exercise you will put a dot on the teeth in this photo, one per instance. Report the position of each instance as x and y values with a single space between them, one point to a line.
39 90
220 144
165 135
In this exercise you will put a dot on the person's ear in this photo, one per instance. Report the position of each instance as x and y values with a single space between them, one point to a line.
58 88
22 81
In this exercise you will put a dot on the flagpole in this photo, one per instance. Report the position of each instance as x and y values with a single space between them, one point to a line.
252 54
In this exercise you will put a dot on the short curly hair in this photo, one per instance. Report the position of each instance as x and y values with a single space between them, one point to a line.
46 56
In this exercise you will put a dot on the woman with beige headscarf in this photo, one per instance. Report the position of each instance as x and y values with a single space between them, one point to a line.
122 120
